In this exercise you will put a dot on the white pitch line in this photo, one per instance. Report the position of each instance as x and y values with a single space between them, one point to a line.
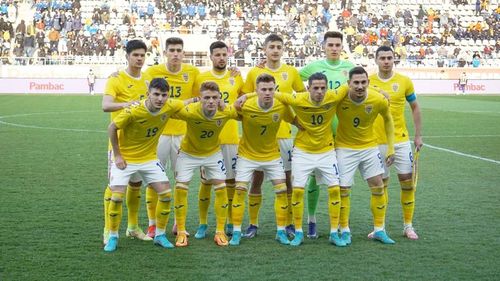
50 128
462 154
47 128
43 113
462 136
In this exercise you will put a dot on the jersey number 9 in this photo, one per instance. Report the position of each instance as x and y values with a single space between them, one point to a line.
355 122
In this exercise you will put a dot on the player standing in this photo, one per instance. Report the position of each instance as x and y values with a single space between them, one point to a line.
287 81
401 91
134 137
181 77
200 148
122 90
337 72
356 146
258 149
230 88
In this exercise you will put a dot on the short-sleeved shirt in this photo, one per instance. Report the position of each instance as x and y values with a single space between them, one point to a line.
287 81
202 136
260 128
337 74
181 87
400 89
140 129
315 118
125 88
230 89
355 130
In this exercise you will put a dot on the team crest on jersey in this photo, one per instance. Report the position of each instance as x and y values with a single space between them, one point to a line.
345 73
231 81
276 117
395 87
327 106
284 75
185 76
164 117
368 108
218 123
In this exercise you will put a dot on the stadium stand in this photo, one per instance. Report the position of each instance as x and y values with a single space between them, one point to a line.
427 33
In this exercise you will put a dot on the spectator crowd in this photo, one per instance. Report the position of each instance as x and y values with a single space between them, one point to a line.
449 34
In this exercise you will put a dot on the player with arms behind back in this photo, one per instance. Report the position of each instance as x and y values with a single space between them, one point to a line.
401 91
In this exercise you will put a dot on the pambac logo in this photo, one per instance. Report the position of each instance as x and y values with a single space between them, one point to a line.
47 86
471 87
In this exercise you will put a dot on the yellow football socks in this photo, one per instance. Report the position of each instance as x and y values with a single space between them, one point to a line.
281 205
204 201
378 207
107 200
407 201
239 206
133 199
298 207
254 202
386 190
230 195
162 211
151 200
334 206
115 211
289 217
181 205
220 206
345 207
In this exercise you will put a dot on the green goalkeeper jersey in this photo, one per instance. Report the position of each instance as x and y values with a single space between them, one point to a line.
337 73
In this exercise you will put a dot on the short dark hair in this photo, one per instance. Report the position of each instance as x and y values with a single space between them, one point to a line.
357 70
333 34
174 41
272 38
317 76
160 84
133 45
209 86
383 49
264 78
217 45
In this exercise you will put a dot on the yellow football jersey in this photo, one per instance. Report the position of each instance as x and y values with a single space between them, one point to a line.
355 130
230 89
181 87
400 88
315 118
140 130
125 88
287 81
202 136
260 128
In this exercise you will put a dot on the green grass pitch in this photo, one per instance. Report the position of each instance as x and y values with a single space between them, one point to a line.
53 172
